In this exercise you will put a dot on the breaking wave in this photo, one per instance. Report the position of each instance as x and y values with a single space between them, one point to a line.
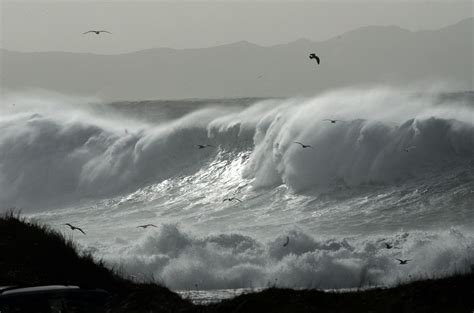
52 159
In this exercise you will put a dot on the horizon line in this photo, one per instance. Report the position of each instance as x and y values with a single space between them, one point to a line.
243 41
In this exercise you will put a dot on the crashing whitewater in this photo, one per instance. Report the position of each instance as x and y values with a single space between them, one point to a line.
111 167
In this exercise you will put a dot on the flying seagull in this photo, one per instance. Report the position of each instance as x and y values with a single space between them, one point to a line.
402 261
389 246
303 145
97 32
204 146
332 121
314 56
231 199
287 241
75 228
147 225
408 149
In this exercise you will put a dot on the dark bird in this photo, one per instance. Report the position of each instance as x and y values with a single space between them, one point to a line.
147 225
389 246
231 199
314 56
402 261
126 131
287 241
332 121
408 149
259 76
97 32
203 146
303 145
75 228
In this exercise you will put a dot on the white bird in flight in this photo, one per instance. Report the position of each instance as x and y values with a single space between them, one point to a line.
147 225
390 246
231 199
97 32
75 228
203 146
314 56
303 145
402 261
332 121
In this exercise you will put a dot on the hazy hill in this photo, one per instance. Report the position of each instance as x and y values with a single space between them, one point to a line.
367 55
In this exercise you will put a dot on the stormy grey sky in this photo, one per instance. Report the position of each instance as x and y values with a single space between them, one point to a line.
58 26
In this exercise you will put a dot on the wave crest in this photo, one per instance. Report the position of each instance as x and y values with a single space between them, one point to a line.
64 154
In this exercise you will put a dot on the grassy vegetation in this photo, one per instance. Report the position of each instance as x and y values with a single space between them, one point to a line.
450 295
33 254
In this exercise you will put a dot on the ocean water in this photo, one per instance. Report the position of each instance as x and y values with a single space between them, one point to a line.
109 167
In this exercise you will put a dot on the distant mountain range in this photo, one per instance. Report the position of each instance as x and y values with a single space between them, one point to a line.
365 56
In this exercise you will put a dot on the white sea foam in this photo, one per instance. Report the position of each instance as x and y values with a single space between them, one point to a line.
184 261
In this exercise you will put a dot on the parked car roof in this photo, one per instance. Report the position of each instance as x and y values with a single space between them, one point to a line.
9 290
